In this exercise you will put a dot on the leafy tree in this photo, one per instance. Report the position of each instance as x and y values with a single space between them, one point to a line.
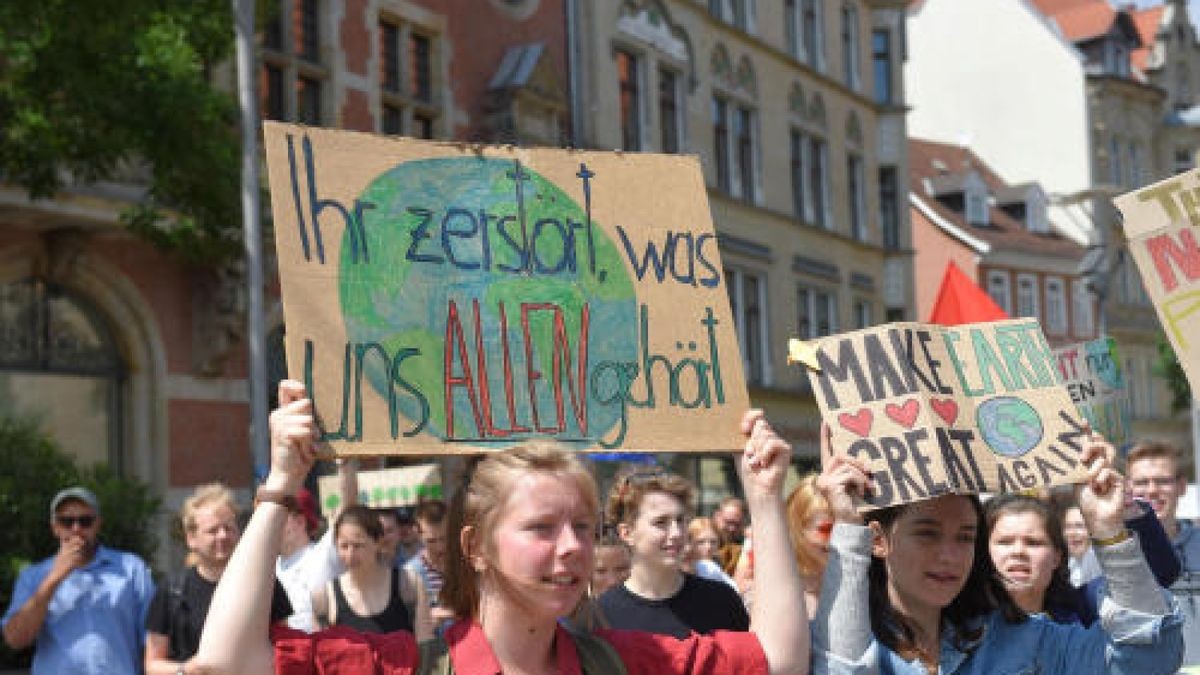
108 89
1168 368
32 470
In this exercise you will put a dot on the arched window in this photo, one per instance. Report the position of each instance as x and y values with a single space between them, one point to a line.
60 366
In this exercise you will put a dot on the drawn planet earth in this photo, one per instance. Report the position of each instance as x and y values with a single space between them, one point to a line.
1009 426
401 303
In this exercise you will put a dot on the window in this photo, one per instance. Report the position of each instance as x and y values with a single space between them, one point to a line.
1114 161
669 111
977 206
889 207
740 13
1027 295
1081 306
797 145
863 314
406 80
818 182
747 300
59 364
1183 160
998 287
629 92
1135 166
1056 306
857 196
744 137
817 312
293 74
1116 58
881 65
791 26
812 33
850 56
721 143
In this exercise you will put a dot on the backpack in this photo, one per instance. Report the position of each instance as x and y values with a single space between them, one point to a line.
596 657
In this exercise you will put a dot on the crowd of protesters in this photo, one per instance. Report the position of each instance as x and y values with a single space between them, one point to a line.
530 570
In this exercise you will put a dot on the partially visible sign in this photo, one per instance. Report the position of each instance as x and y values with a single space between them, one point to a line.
1091 372
401 486
936 410
1162 224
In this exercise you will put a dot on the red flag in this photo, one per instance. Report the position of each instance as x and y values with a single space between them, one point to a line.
960 301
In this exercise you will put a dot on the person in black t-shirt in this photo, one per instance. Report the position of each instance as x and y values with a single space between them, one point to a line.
176 616
650 510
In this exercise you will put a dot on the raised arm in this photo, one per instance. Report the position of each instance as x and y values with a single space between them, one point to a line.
235 638
778 616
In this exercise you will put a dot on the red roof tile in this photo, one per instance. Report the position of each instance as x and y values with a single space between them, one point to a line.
1003 230
1147 22
1085 21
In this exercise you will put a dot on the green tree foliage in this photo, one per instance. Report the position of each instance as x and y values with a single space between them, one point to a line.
95 90
1168 368
32 470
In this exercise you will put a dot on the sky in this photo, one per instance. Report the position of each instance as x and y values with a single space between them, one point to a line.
1193 7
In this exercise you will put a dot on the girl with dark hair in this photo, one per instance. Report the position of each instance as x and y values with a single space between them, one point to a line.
1027 547
922 574
519 560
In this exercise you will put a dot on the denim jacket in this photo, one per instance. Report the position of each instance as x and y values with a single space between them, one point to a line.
1124 641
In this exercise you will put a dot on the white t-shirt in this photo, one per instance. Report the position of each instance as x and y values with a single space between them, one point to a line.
308 568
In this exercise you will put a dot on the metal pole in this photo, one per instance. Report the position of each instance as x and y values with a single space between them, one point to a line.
243 19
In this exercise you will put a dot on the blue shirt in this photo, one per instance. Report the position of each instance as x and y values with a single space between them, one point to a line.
96 621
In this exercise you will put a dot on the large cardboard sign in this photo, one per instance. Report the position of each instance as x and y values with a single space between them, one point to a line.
401 486
1091 372
446 298
1162 224
935 410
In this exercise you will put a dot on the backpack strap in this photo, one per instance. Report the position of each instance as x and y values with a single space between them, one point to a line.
435 658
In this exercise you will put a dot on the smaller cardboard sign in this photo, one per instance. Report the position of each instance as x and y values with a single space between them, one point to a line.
938 409
1162 224
1091 372
402 486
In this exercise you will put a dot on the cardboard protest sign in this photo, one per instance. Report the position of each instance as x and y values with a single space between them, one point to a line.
1091 372
938 409
1162 224
402 486
445 298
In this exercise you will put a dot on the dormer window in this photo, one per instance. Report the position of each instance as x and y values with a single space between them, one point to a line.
1025 203
976 207
1116 57
1035 217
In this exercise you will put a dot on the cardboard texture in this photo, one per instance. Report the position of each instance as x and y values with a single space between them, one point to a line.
445 298
1091 372
939 409
1162 225
401 486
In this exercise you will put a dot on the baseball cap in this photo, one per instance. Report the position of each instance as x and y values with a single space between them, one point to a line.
80 493
306 504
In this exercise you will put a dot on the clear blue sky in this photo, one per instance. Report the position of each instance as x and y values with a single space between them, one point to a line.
1193 6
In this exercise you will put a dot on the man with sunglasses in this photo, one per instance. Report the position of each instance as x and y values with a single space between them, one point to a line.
85 607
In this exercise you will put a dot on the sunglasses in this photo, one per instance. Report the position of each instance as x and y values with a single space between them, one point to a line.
71 521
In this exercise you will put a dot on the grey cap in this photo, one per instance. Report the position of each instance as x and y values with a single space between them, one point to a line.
81 493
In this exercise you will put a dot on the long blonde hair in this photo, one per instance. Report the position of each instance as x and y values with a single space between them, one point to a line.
805 500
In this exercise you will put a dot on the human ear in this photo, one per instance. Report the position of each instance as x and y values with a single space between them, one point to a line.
466 539
624 531
880 546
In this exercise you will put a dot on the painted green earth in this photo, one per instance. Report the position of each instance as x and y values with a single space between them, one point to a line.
397 302
1010 426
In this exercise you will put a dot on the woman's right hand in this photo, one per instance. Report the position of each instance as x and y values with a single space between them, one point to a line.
293 435
844 481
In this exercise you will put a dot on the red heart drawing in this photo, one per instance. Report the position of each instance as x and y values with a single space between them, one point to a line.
946 409
859 423
904 415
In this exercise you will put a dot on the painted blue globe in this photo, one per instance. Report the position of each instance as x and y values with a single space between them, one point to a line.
1009 426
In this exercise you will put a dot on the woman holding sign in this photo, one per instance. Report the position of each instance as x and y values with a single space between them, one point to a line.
520 560
913 590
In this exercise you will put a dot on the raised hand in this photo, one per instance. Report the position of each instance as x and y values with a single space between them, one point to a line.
1102 496
844 481
764 461
293 433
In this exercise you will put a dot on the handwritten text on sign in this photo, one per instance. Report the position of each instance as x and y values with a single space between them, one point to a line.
1162 224
1091 372
935 410
442 298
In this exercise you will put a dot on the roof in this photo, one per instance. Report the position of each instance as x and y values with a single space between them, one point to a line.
1085 21
930 161
1147 22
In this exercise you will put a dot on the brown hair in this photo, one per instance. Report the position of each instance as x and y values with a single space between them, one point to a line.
1155 450
363 517
480 503
1059 595
804 500
630 489
432 512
